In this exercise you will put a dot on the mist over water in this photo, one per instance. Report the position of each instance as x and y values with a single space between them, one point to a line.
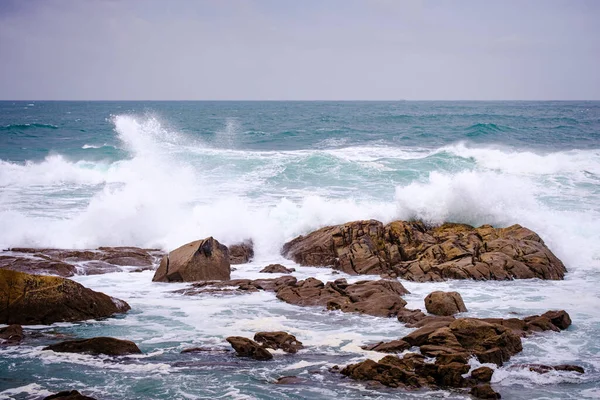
160 175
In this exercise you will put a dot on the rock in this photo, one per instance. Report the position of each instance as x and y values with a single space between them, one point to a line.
241 253
34 299
12 334
201 260
289 380
444 303
237 286
542 369
35 265
278 340
395 346
484 391
204 350
98 345
277 269
378 298
414 251
245 347
420 336
68 395
482 374
559 318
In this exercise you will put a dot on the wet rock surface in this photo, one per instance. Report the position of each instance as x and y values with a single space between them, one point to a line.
12 334
35 299
277 269
99 345
201 260
278 340
68 395
417 252
245 347
241 253
444 303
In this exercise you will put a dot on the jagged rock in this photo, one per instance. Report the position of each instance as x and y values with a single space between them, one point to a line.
98 345
35 265
237 286
245 347
444 303
484 391
34 299
204 350
277 269
201 260
289 380
414 251
68 395
379 298
395 346
278 340
12 334
542 369
241 253
482 374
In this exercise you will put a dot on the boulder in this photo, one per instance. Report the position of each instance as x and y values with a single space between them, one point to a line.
68 395
278 340
201 260
484 391
482 374
245 347
395 346
34 299
241 253
12 334
289 380
417 252
98 345
542 369
444 303
277 269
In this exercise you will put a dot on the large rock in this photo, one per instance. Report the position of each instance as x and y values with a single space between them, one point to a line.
417 252
379 298
276 269
278 340
241 253
202 260
245 347
12 334
444 303
34 299
98 345
68 395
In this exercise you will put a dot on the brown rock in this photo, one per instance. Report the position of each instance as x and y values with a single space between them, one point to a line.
201 260
245 347
95 346
542 369
204 350
417 252
395 346
68 395
559 318
241 253
39 266
482 374
277 269
444 303
237 286
289 380
484 391
420 336
12 334
34 299
278 340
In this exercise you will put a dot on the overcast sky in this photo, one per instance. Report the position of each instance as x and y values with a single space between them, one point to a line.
299 50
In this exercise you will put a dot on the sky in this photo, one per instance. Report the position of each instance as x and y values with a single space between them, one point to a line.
299 50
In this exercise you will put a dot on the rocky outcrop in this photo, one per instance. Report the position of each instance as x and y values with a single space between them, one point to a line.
417 252
241 253
277 269
379 298
12 334
201 260
98 345
34 299
289 380
444 303
68 395
278 340
395 346
237 286
484 391
67 263
245 347
543 369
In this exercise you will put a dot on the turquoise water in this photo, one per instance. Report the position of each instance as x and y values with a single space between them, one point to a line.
160 174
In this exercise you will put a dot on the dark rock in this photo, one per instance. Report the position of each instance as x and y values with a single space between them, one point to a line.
395 346
237 286
204 350
245 347
444 303
277 269
39 266
278 340
34 299
414 251
542 369
68 395
290 380
560 318
12 334
484 391
241 253
482 374
201 260
98 345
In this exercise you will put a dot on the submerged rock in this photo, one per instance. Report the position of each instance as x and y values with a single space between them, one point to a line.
485 391
12 334
201 260
277 269
245 347
289 380
543 369
34 299
444 303
68 395
98 345
279 340
414 251
241 253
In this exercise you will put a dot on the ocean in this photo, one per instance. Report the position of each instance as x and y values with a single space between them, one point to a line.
80 175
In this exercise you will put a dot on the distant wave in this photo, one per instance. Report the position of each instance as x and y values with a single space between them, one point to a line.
95 146
20 127
486 128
